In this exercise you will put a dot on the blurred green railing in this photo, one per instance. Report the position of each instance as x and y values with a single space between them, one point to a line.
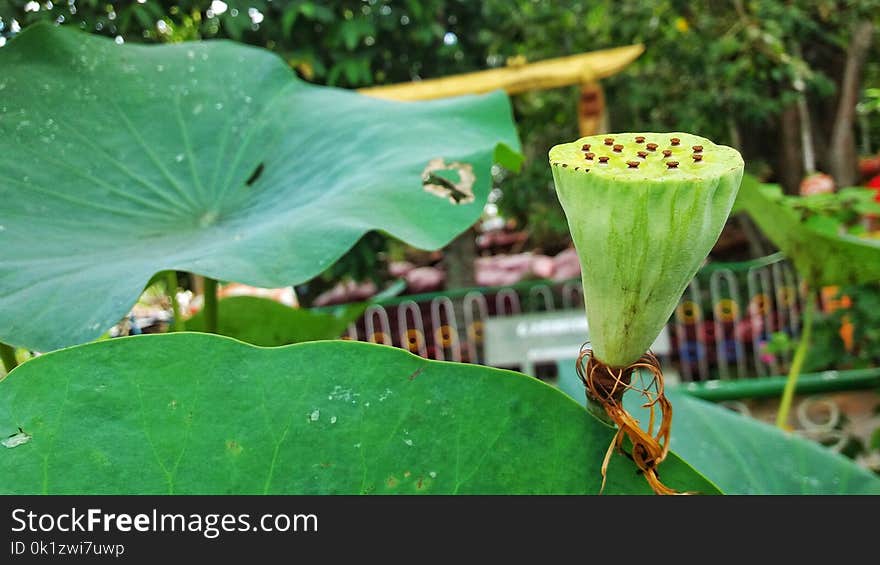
825 381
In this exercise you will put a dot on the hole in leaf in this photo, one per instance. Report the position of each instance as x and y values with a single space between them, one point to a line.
453 181
255 175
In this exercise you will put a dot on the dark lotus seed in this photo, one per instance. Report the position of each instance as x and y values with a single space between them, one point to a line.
603 159
671 164
642 154
651 146
633 164
586 147
640 139
674 141
565 165
667 152
697 157
609 141
697 148
618 148
590 156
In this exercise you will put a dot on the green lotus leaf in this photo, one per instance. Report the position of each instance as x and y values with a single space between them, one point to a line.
119 161
743 455
644 210
204 414
820 254
267 323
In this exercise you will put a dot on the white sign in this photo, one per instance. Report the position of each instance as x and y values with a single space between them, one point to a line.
525 339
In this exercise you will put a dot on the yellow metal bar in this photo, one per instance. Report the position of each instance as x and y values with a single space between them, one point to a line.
550 73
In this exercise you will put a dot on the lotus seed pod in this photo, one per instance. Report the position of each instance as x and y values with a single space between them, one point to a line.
642 226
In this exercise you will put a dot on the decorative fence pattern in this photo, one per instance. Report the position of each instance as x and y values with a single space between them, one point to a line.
718 331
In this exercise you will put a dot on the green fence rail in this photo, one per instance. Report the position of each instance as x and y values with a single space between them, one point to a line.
826 381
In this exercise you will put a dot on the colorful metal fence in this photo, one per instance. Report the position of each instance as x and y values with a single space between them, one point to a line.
719 331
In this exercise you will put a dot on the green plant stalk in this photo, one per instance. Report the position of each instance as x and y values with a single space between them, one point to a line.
171 283
210 305
797 363
7 354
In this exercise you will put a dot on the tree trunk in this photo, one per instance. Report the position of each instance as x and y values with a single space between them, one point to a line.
754 236
459 261
791 162
843 153
592 118
459 257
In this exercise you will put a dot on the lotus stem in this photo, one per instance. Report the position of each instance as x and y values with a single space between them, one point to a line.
7 354
171 284
606 386
797 363
210 305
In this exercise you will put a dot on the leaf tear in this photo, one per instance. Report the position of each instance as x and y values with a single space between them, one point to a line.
255 175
